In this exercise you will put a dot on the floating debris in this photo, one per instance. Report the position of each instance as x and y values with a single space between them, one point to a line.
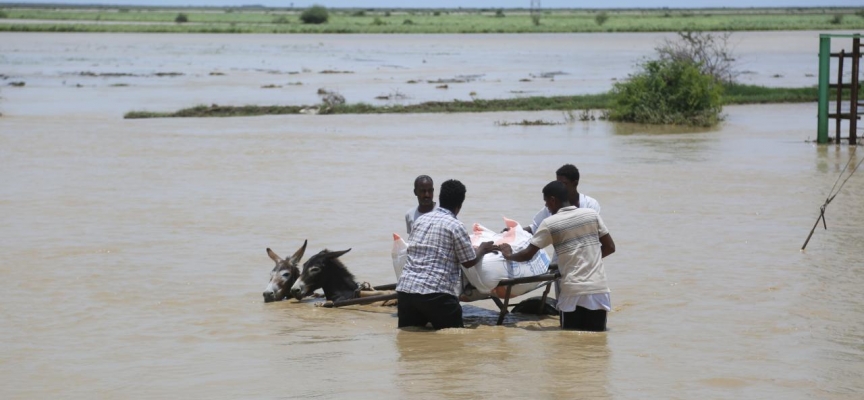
447 81
549 74
216 73
271 86
17 84
525 122
105 74
331 71
441 87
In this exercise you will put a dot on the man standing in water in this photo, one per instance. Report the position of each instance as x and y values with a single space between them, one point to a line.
438 245
568 174
581 240
425 191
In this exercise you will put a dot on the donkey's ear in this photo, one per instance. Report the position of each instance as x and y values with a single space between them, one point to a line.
337 254
273 256
295 259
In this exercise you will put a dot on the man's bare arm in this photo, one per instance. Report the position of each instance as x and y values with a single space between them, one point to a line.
481 251
524 255
607 246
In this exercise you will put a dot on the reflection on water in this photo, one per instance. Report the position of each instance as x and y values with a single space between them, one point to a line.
133 252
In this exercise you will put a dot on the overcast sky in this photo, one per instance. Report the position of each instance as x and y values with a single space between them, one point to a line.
473 3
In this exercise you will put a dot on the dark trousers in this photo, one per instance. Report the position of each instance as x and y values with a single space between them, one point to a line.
441 309
583 319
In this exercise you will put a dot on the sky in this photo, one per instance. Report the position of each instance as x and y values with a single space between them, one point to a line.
470 3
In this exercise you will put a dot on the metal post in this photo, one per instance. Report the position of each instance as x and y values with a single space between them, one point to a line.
824 76
853 104
839 111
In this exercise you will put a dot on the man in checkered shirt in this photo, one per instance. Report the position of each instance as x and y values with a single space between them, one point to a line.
428 287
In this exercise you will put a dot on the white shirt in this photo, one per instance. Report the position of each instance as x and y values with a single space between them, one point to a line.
412 216
585 201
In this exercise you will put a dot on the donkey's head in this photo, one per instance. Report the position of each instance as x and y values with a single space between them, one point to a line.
324 271
283 276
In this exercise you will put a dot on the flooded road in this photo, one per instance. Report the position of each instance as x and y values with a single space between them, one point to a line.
133 251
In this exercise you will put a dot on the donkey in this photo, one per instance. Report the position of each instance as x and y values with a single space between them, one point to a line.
324 271
283 276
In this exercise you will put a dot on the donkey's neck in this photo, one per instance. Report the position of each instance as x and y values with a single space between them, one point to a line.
340 288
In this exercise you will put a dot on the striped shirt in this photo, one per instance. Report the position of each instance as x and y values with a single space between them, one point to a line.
437 246
575 234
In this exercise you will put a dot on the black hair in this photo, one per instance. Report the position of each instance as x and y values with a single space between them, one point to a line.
422 178
452 195
557 190
568 171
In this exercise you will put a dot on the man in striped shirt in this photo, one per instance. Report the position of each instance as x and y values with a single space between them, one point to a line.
428 287
581 240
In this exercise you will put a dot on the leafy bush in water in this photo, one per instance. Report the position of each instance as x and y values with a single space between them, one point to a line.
181 18
668 92
315 15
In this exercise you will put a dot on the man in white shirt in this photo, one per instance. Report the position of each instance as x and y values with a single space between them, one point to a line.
425 192
581 240
568 174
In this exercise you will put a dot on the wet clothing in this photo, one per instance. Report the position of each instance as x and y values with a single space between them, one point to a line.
440 309
583 319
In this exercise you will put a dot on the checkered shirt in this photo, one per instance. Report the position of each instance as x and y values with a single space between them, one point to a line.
438 245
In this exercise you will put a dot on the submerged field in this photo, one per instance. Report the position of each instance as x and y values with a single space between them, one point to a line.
733 94
264 20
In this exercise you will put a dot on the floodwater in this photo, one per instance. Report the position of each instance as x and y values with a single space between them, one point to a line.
133 251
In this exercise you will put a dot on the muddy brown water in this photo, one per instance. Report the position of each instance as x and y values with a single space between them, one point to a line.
132 251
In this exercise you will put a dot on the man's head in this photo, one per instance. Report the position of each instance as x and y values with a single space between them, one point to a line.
452 195
555 196
568 174
425 191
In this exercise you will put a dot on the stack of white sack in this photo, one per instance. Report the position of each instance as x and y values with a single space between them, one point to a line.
485 275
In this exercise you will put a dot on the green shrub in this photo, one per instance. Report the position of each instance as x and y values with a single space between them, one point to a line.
837 19
378 22
358 13
387 13
860 13
601 18
499 13
437 13
668 92
407 22
315 15
535 19
3 14
282 19
181 18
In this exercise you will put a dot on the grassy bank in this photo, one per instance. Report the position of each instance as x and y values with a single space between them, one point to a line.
733 94
264 20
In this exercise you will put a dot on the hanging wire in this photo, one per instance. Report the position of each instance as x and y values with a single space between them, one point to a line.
831 195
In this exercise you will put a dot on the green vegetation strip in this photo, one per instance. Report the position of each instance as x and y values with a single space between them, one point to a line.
733 94
216 20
